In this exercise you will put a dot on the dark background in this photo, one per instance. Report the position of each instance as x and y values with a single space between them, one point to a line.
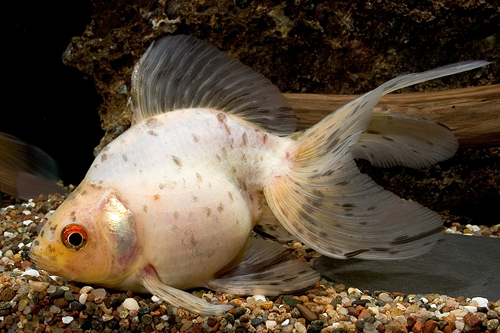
48 104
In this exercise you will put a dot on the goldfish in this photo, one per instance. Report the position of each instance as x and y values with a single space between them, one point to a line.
25 170
171 203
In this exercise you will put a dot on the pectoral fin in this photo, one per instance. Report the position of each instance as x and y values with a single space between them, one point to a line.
264 267
176 297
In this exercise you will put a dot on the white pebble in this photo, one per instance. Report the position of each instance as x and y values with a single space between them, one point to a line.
67 319
83 298
86 289
155 299
270 324
285 322
8 234
259 297
481 301
27 222
31 272
130 304
471 309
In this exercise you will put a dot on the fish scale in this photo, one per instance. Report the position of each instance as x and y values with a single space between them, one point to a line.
171 203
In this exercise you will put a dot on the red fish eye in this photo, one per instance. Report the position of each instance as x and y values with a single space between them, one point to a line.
74 237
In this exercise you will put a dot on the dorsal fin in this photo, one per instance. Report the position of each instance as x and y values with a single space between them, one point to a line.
182 72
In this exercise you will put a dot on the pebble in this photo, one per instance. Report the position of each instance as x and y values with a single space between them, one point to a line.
308 314
101 292
130 304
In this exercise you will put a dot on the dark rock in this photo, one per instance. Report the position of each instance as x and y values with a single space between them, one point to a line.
457 266
143 310
229 317
256 321
307 313
211 321
57 294
68 295
238 312
76 306
289 300
147 319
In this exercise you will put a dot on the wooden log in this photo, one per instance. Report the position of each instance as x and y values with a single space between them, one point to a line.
473 114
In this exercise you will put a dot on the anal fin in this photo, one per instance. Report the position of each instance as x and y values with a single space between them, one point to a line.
176 297
264 267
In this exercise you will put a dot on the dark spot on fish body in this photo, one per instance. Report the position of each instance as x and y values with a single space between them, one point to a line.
153 133
233 169
244 138
372 132
152 122
363 223
371 208
104 157
343 183
145 209
177 161
264 139
196 138
161 186
230 196
387 138
323 234
220 208
217 157
125 158
36 242
50 248
157 197
355 253
221 117
195 198
207 211
176 215
430 143
198 177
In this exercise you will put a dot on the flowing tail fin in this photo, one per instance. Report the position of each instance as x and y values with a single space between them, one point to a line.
326 202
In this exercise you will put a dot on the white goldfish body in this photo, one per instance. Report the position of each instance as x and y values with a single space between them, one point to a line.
171 203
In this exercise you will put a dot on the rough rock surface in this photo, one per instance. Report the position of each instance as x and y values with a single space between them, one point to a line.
318 47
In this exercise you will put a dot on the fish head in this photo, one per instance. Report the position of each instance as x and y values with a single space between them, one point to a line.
90 238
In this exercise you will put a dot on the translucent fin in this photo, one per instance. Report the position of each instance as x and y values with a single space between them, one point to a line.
176 297
182 72
328 204
399 139
25 170
264 267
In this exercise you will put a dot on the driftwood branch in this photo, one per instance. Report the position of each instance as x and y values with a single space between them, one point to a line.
473 114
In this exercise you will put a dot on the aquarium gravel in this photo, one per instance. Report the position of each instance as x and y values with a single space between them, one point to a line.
32 300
